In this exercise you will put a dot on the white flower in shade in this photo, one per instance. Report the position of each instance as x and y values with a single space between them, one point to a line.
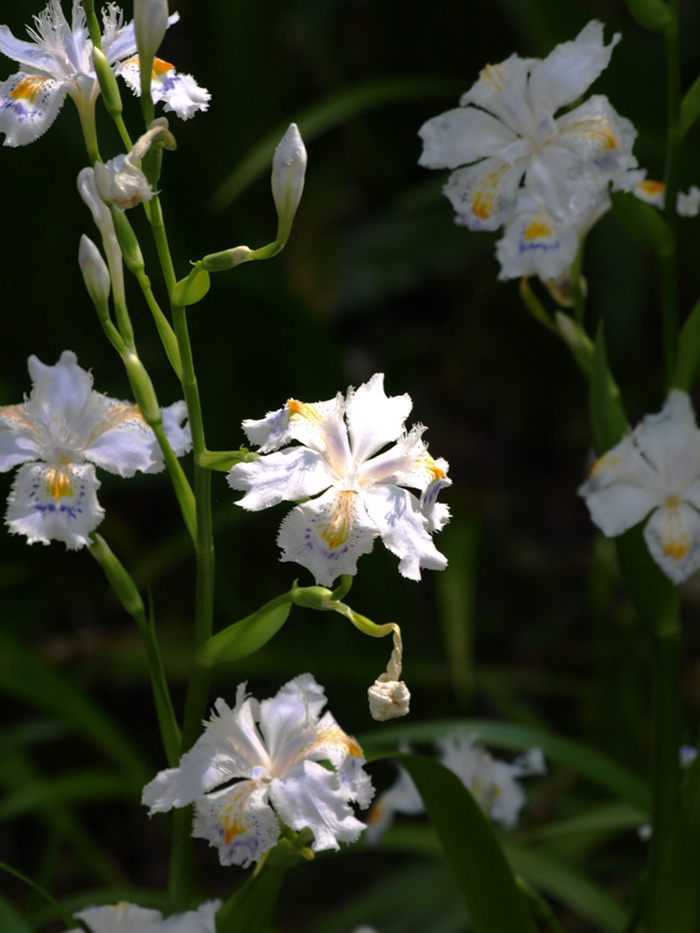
655 469
60 433
653 192
179 93
363 494
273 752
129 918
505 129
493 784
58 62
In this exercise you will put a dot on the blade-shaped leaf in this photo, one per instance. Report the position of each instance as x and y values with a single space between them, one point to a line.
585 760
485 882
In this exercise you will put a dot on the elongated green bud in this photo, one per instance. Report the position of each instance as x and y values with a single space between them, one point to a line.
129 244
226 259
142 387
108 83
119 579
654 15
95 276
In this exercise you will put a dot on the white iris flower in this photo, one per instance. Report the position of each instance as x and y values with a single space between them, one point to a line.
129 918
58 62
493 784
655 469
506 130
60 433
363 494
273 752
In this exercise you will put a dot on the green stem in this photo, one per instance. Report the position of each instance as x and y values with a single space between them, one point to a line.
128 595
123 132
198 689
161 241
575 284
667 718
165 331
86 112
668 264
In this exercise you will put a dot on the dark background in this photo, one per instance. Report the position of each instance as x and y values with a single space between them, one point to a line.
376 277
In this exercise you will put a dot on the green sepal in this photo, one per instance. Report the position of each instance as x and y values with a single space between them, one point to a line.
248 635
608 419
690 108
688 360
484 879
654 15
643 223
192 289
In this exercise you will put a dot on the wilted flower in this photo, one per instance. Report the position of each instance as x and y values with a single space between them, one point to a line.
129 918
364 490
58 62
493 783
60 433
654 469
273 751
505 129
120 181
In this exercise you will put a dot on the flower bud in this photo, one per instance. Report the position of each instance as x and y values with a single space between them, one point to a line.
150 24
388 699
95 275
288 170
108 82
226 259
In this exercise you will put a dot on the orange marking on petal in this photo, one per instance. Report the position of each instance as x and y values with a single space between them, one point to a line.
302 410
337 529
335 735
58 484
160 67
676 550
652 187
493 75
29 87
537 227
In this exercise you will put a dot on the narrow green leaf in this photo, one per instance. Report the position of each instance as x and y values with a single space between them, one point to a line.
67 788
690 108
327 114
677 894
10 920
608 420
251 907
687 371
25 676
244 637
45 894
607 818
581 758
654 15
570 887
642 223
485 882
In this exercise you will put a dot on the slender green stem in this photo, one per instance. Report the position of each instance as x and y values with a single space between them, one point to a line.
668 264
161 241
86 112
198 689
667 718
165 330
128 595
123 132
